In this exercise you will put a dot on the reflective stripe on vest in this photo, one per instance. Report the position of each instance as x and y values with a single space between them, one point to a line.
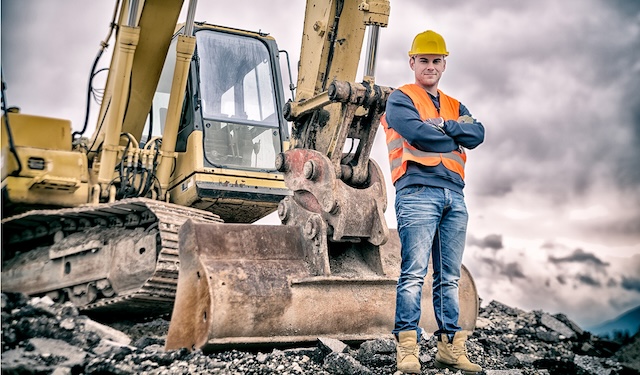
401 152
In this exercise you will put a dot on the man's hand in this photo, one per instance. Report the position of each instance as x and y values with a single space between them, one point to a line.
436 123
465 119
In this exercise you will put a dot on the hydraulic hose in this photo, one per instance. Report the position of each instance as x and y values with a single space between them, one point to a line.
103 45
332 42
12 146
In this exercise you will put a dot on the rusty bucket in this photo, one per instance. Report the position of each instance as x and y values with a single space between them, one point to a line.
245 284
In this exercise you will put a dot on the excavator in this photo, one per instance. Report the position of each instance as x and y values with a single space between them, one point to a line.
152 214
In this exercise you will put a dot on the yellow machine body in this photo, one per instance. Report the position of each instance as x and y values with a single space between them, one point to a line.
51 174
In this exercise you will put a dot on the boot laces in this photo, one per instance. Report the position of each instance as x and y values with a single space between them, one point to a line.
458 351
406 351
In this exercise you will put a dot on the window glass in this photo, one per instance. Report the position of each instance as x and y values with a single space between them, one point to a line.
238 101
236 80
160 101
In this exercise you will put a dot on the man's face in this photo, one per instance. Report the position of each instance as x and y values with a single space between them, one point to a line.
428 70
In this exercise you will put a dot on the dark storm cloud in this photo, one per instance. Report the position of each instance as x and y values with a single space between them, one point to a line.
558 100
626 170
631 283
628 8
588 280
491 241
579 256
513 270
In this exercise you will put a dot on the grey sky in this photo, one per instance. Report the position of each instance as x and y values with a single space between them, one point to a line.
556 84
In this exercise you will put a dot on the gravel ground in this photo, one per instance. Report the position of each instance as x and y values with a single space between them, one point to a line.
42 337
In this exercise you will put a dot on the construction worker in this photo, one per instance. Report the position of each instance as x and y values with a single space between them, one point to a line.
427 132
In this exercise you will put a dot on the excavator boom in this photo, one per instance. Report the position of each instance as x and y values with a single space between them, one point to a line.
152 214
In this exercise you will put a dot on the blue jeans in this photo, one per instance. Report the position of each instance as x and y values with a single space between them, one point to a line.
432 222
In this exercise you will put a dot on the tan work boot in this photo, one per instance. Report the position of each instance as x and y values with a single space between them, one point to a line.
454 355
408 351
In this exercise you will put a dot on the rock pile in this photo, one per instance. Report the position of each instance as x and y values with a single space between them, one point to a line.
41 337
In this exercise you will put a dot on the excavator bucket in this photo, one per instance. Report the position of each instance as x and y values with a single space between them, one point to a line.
255 285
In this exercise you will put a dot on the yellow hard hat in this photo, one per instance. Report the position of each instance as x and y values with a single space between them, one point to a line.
428 43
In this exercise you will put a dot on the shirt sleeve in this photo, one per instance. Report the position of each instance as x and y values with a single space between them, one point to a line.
403 117
468 135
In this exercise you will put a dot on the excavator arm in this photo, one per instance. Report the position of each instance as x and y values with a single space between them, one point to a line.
341 194
144 34
156 23
332 269
329 106
332 40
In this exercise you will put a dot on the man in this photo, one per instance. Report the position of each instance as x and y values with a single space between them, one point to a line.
427 132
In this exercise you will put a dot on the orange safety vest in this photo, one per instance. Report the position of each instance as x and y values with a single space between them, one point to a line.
401 152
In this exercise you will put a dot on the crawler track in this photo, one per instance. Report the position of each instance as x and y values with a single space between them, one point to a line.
38 231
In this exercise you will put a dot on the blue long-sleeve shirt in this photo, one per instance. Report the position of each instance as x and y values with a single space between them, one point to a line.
403 117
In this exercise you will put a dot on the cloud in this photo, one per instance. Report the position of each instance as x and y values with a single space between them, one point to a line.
562 116
588 280
579 256
491 262
513 270
491 241
520 275
553 122
631 283
629 8
548 245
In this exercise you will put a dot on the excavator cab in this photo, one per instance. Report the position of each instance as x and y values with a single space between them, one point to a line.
231 127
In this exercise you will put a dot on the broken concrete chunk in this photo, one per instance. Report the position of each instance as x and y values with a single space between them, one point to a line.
344 364
329 345
105 332
556 325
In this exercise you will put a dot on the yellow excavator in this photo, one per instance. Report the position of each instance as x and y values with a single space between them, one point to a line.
151 215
